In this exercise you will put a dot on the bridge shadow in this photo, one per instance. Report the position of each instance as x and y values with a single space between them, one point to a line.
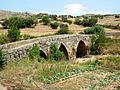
81 50
42 54
64 50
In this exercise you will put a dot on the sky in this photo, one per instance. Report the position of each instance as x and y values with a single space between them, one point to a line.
71 7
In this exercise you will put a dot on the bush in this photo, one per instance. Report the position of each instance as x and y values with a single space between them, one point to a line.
89 22
92 22
55 53
78 22
4 39
69 21
29 22
64 19
45 20
94 30
34 52
14 33
2 60
25 37
54 25
117 16
97 40
63 29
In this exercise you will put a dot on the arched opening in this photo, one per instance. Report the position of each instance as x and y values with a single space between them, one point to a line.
42 54
81 50
64 50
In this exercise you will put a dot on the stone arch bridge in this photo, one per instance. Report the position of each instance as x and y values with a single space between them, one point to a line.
73 46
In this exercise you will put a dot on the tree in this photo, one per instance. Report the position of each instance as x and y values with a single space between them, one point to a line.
97 40
54 25
63 29
45 20
92 22
14 33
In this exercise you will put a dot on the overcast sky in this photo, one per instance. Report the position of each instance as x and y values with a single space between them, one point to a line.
73 7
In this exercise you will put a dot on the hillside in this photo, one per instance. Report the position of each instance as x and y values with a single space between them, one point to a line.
7 14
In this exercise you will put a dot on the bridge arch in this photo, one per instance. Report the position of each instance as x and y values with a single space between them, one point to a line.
81 49
43 54
64 49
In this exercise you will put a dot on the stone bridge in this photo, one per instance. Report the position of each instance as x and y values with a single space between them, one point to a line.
73 46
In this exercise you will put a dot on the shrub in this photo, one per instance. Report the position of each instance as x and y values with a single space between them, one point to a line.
55 53
25 37
14 33
94 30
29 22
54 25
63 29
4 39
34 52
78 22
2 60
69 21
92 22
64 19
45 20
117 16
85 22
89 22
97 40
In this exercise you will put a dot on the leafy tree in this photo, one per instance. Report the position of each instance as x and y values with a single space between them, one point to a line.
94 30
14 33
64 19
78 21
92 22
70 21
55 53
97 41
54 25
45 20
63 29
117 16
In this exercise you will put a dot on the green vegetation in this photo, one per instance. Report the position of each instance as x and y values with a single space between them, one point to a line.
112 26
2 60
117 16
70 21
46 20
63 29
78 21
89 22
94 30
25 37
97 40
19 22
64 19
34 52
55 53
54 25
4 39
14 34
86 22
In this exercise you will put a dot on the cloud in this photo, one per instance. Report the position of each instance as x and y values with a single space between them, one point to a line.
74 9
